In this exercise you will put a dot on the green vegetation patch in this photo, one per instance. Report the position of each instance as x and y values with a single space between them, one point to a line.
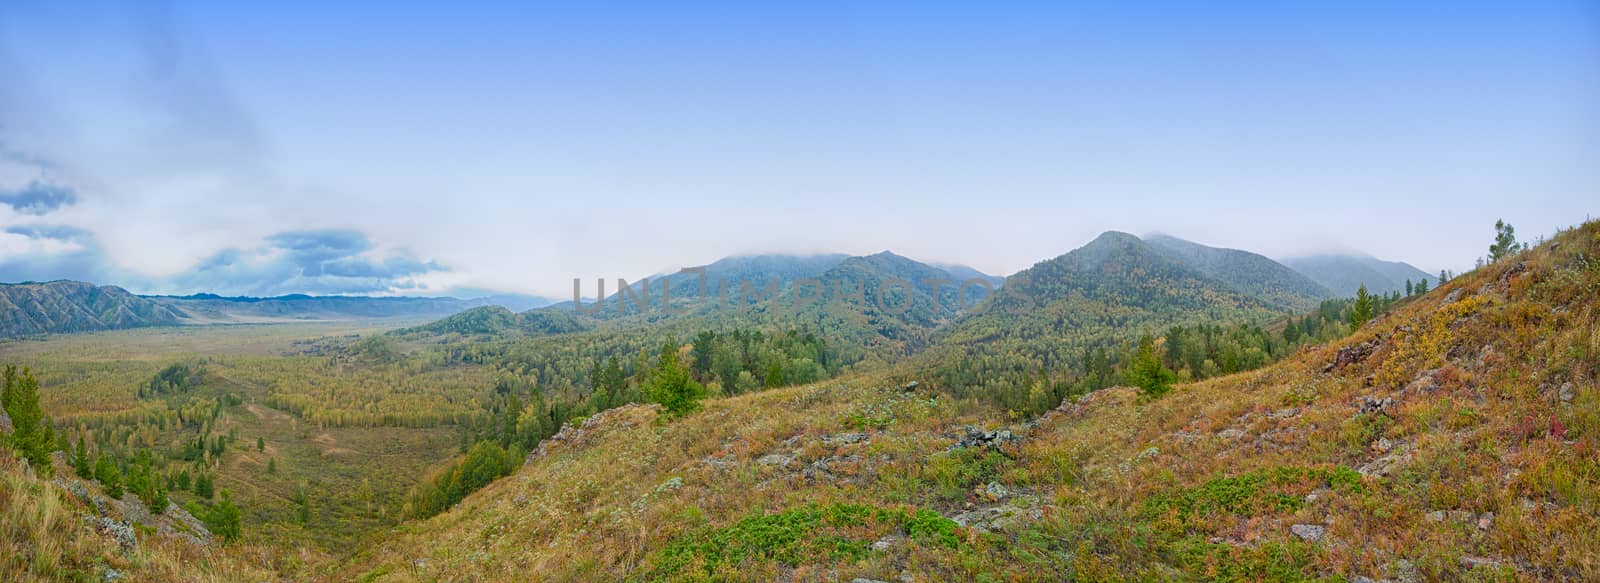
1273 490
804 535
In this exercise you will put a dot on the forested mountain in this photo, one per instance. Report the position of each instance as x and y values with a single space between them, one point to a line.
1344 274
1046 319
961 273
1246 272
75 306
211 308
728 277
488 320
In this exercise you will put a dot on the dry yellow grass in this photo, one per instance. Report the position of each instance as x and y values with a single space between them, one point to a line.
46 535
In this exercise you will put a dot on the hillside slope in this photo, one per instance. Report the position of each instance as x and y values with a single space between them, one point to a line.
1453 438
59 529
74 306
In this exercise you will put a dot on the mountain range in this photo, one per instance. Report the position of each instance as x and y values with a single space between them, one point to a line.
63 306
1114 269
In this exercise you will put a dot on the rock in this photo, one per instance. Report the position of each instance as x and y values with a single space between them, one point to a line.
1484 521
1470 562
888 542
113 575
119 530
1376 405
670 485
1353 355
997 491
908 387
1231 433
972 436
1387 464
1309 532
866 580
1406 572
1424 382
1317 494
1284 413
845 438
1382 446
1454 295
189 522
776 459
1505 278
1566 393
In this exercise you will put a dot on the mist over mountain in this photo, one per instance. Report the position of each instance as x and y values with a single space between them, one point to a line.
1247 272
1343 274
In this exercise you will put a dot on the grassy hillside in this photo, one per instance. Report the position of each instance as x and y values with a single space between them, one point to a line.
60 530
1453 438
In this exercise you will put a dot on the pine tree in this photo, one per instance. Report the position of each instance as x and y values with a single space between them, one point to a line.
203 486
80 460
261 444
224 518
1505 241
30 436
1422 286
1152 377
109 476
272 465
671 386
1362 309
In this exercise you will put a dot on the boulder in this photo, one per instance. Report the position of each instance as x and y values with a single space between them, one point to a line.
1353 354
1309 532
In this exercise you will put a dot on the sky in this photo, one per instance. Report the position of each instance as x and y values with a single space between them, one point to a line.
410 148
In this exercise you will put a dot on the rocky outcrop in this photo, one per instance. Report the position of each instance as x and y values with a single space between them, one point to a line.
1353 354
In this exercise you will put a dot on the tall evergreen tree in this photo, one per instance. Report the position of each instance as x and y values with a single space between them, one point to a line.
29 434
109 476
671 386
1152 377
80 460
1362 309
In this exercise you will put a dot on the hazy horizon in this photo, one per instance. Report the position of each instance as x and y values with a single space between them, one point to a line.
186 147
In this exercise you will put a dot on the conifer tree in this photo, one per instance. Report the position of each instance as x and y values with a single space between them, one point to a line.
1152 377
30 435
1505 241
671 386
1362 309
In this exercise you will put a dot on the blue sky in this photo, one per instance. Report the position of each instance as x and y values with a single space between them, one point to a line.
185 146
